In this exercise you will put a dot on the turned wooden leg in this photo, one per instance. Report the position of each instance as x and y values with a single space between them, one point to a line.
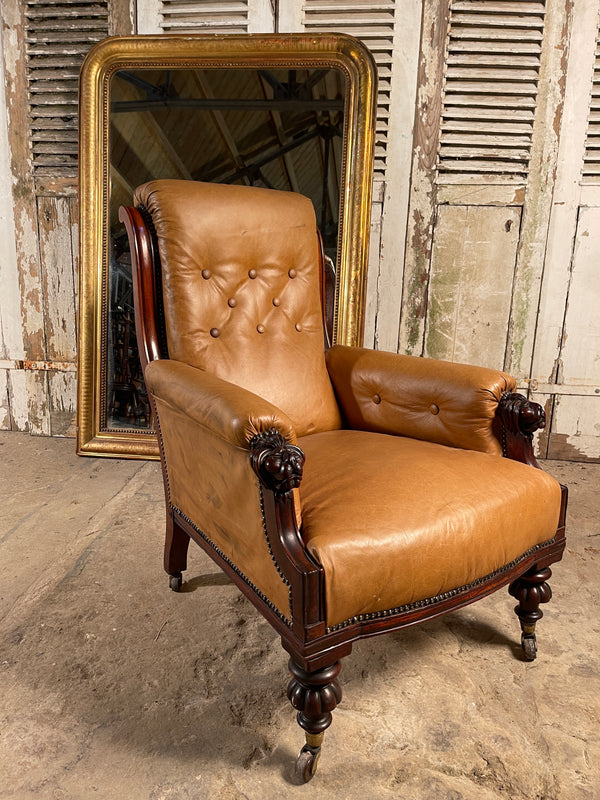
176 548
530 590
314 695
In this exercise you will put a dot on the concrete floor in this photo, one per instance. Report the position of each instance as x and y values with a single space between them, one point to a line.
114 687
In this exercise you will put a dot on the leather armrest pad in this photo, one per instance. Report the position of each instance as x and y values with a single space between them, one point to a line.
229 411
421 398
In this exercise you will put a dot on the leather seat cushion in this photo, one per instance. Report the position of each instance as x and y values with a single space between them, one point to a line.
394 520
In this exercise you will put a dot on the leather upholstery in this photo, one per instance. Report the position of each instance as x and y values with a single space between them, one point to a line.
227 410
392 519
395 520
241 291
209 477
216 406
438 401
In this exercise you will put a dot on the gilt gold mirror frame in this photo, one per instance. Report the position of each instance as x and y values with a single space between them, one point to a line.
273 51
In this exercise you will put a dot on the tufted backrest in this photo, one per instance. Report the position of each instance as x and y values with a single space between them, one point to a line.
240 269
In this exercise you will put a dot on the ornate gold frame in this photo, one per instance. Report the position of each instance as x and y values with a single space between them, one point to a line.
198 51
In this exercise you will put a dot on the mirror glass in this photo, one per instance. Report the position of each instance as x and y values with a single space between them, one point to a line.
271 127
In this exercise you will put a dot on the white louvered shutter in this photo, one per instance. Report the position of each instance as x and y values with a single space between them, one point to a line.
490 93
204 16
591 163
57 36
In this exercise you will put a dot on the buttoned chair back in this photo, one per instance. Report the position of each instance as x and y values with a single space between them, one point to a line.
241 291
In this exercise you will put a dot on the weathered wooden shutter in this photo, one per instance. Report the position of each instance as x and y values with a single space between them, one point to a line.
44 43
204 16
591 162
566 369
492 53
57 37
490 93
486 137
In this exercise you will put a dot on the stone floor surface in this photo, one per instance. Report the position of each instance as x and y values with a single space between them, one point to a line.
112 686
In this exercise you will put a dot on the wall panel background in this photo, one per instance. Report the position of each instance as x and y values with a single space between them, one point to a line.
485 220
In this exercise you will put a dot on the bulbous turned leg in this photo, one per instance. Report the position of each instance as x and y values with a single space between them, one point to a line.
176 548
314 695
530 590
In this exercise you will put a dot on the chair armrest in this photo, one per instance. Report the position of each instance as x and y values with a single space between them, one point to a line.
229 411
422 398
216 438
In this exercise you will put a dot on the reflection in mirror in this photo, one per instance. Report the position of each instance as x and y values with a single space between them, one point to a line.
276 128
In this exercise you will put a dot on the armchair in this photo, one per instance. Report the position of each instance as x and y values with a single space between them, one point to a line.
346 492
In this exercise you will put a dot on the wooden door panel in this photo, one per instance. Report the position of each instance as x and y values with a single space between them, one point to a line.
580 356
470 285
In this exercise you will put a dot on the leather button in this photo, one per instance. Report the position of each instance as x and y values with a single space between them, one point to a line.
434 409
215 333
252 274
276 301
232 302
260 328
292 273
206 273
376 399
298 327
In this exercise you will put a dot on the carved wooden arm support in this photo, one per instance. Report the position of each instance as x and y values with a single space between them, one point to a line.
278 464
518 419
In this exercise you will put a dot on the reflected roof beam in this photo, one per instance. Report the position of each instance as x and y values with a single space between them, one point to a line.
283 140
250 169
226 104
220 123
145 137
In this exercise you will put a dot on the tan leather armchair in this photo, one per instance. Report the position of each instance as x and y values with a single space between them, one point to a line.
347 492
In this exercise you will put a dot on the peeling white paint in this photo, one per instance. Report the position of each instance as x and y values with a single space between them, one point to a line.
575 428
11 342
19 410
5 422
373 275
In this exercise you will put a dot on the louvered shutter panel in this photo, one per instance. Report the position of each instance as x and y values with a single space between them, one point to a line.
372 23
591 163
493 64
58 35
204 16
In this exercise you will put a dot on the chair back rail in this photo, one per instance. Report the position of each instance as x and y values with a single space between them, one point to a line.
147 291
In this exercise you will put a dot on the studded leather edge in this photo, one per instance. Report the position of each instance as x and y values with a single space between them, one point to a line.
235 568
430 601
163 456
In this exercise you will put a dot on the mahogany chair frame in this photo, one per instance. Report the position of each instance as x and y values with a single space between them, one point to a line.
315 649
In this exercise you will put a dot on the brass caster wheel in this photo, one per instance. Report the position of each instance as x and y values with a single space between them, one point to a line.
529 646
175 582
306 764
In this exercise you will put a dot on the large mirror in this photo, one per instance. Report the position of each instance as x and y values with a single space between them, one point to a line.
292 113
